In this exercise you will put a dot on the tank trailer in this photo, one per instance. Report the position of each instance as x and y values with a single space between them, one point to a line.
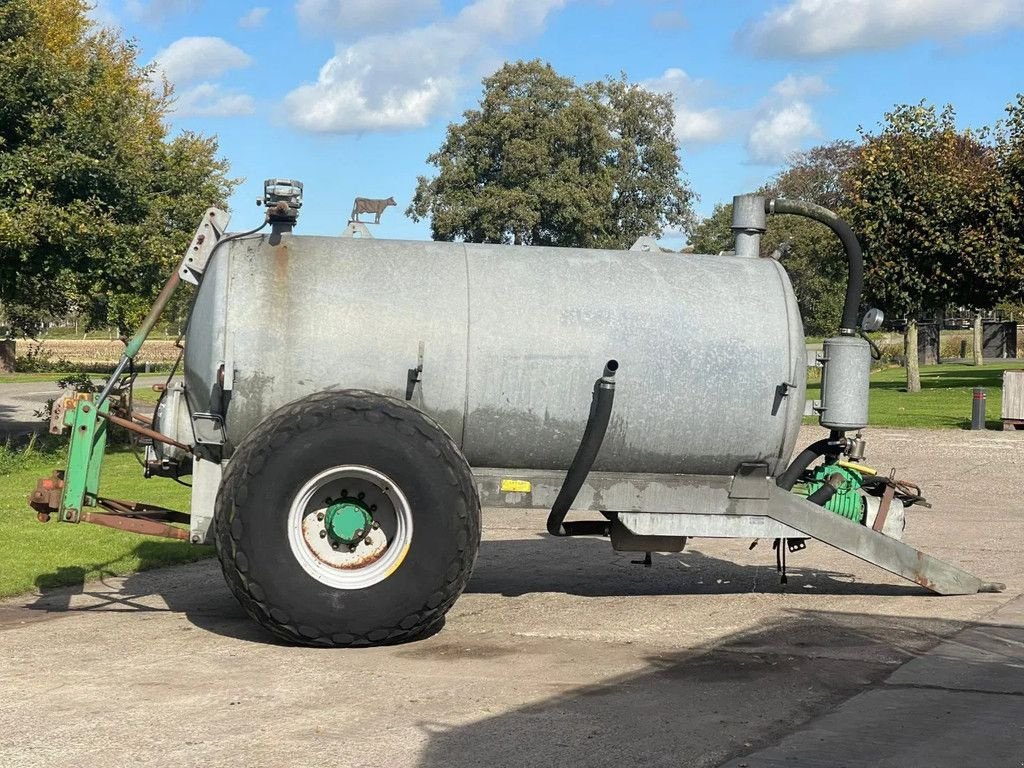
347 405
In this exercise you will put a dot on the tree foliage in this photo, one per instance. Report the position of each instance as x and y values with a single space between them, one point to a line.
932 208
545 161
99 202
1010 152
931 205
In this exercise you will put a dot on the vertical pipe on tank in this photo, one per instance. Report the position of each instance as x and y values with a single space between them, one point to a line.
749 222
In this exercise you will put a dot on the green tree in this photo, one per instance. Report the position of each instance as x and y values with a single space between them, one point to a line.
1010 153
933 212
545 161
99 202
812 255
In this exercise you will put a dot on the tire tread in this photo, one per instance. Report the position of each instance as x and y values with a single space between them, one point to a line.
285 424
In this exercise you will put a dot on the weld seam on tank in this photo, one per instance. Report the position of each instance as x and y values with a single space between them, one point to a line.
593 436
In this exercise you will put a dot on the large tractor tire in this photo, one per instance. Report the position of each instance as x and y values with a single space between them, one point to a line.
347 518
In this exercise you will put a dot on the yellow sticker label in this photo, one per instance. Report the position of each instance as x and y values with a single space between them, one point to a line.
515 486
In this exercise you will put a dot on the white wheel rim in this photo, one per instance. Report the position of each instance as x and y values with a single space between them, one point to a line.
368 563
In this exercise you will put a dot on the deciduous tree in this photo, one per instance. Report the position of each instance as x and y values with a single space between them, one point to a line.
545 161
99 201
932 208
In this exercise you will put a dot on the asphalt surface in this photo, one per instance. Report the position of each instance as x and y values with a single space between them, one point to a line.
565 653
20 402
18 406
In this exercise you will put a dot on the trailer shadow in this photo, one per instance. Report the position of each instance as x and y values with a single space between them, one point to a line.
586 567
589 567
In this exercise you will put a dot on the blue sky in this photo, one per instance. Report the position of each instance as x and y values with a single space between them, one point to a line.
350 96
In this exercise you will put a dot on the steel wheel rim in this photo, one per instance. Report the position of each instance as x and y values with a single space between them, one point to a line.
308 548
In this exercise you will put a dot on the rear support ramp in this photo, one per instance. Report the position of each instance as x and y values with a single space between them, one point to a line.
873 547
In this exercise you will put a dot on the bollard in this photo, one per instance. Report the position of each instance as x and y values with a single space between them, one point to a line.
963 348
978 411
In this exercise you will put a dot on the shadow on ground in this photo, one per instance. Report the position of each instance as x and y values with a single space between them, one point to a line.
708 704
588 567
583 567
697 707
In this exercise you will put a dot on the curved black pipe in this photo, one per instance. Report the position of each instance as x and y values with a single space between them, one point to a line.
823 447
823 495
593 436
854 255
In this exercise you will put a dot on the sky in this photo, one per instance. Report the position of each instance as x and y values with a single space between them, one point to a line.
351 96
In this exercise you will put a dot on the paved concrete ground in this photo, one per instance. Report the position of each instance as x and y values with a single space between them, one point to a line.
563 653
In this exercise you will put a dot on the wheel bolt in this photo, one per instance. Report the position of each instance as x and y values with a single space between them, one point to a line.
351 547
323 534
359 533
320 516
334 545
344 492
368 541
362 495
375 525
329 500
373 507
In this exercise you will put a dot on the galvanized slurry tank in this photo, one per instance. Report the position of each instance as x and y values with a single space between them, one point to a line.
338 392
510 339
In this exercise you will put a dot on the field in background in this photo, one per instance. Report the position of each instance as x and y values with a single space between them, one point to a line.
89 355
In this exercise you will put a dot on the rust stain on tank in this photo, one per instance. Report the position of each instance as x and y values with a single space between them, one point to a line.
281 263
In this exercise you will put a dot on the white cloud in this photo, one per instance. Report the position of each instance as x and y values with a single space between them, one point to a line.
784 121
809 28
199 58
800 87
780 131
210 100
393 81
669 20
348 19
694 125
253 18
155 11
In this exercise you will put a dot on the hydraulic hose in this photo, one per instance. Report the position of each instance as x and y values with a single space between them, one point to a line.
583 461
854 255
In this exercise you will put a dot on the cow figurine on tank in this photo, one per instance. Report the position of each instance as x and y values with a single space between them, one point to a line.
369 205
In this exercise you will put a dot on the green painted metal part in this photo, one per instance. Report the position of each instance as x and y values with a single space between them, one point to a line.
347 521
847 501
85 456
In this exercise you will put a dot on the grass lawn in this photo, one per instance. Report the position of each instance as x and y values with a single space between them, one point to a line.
944 401
35 555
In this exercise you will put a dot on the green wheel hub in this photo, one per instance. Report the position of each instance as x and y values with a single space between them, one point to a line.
347 521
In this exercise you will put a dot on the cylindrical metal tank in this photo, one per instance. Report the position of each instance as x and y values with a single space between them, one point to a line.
510 340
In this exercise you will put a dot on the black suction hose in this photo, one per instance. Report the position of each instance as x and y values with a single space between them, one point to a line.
593 436
854 255
823 447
